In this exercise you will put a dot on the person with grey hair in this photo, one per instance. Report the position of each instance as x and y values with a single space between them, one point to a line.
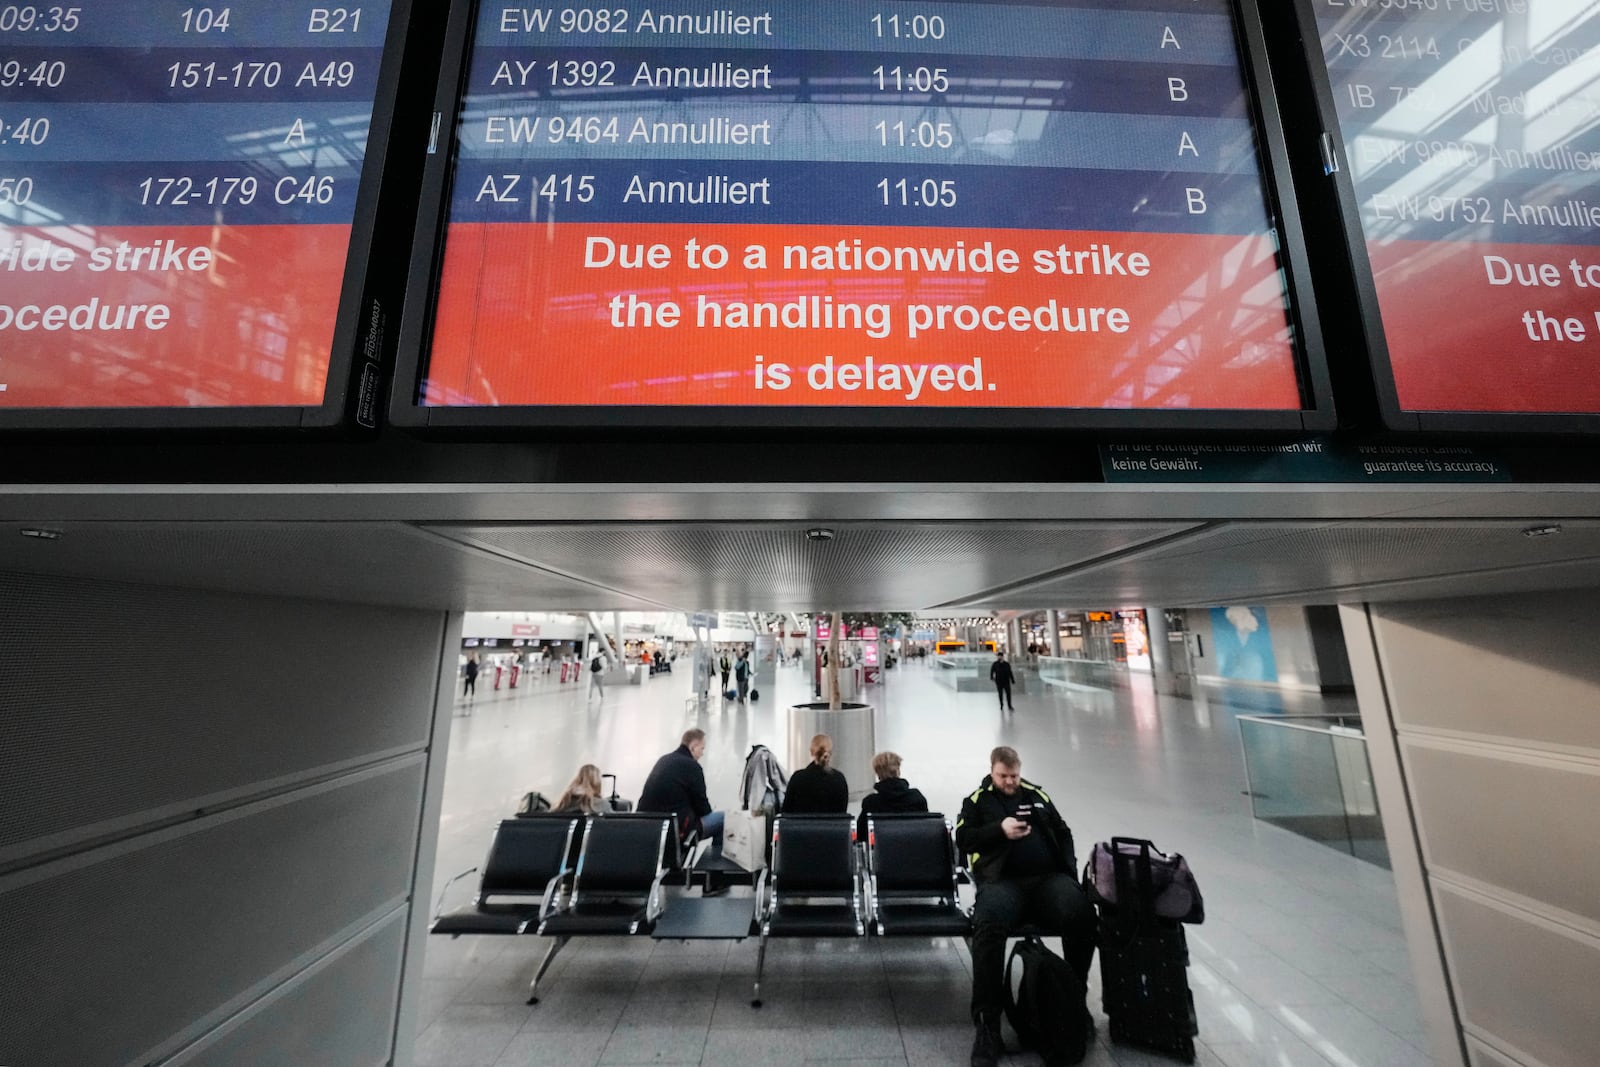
891 794
678 784
817 788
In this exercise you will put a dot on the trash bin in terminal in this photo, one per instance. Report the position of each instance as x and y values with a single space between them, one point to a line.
854 740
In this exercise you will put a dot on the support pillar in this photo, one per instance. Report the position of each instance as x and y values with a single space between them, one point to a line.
1155 628
1052 625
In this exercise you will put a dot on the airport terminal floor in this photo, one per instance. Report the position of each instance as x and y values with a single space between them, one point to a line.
1300 961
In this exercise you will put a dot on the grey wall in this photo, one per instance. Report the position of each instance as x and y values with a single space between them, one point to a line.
210 832
1292 649
1490 710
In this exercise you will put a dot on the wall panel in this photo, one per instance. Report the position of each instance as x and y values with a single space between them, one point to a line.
1526 984
125 704
211 822
1494 704
331 1016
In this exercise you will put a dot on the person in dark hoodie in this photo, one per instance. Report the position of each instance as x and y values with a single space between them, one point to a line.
891 795
817 789
1021 853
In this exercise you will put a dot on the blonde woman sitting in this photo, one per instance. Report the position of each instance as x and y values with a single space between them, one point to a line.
817 789
584 796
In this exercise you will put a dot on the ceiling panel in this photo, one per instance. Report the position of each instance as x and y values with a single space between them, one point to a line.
366 563
955 568
777 567
1348 561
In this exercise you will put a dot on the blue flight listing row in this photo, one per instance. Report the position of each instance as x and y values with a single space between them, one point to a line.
185 24
858 194
855 77
1200 33
183 75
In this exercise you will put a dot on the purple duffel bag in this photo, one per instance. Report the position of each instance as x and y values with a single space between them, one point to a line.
1169 885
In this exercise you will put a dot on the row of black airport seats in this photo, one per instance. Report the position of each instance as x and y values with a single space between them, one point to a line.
565 876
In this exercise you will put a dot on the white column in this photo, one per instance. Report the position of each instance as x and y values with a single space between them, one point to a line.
1052 625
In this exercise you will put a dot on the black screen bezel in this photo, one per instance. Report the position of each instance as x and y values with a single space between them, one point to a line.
1316 412
346 372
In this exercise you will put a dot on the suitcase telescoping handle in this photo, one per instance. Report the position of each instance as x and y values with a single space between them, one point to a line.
1140 877
613 778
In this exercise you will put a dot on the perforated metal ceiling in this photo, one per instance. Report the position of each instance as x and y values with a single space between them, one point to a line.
738 564
363 563
1372 561
778 567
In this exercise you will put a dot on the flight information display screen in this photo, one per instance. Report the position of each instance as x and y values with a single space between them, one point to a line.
178 185
888 206
1470 134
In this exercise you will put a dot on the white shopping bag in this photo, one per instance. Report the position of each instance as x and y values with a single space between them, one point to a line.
744 839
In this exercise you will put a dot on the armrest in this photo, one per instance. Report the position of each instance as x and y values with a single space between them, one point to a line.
655 903
552 896
438 909
763 904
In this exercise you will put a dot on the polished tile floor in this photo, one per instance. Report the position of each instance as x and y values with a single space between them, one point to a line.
1300 961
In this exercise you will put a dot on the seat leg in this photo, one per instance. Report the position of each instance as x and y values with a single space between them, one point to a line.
761 963
544 965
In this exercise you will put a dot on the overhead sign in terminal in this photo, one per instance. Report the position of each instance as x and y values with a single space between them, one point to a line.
1471 182
917 212
182 189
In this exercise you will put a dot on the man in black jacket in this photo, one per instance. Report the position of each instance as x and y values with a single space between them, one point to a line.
1023 862
678 784
1000 674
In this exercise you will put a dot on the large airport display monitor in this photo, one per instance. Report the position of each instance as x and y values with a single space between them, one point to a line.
185 205
738 212
1468 151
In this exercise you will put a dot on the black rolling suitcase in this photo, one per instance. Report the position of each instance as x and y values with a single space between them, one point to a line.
618 804
1144 955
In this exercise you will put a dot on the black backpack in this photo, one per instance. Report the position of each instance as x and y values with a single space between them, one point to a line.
533 804
1046 1003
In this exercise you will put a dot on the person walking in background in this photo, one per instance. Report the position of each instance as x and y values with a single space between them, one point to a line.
817 789
470 673
1000 674
584 795
726 666
597 668
891 794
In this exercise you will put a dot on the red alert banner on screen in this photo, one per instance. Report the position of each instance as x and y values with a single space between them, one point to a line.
168 316
780 315
1491 327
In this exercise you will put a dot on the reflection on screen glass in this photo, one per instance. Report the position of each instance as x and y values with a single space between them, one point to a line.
1470 128
177 186
898 205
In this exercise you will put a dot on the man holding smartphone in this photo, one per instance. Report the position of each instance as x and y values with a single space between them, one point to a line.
1022 858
